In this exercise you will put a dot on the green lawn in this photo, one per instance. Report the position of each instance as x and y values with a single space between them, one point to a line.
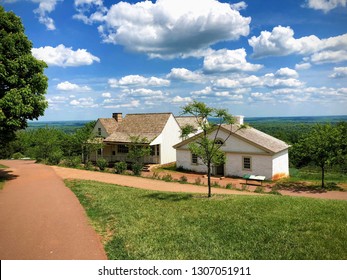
140 224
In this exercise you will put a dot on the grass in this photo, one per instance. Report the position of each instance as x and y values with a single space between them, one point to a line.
141 224
2 180
315 175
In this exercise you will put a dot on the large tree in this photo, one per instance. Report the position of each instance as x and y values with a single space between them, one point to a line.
206 147
22 80
324 146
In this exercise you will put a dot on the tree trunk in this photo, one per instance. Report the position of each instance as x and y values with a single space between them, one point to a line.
323 176
209 178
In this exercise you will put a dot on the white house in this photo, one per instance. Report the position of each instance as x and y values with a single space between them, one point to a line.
160 130
247 151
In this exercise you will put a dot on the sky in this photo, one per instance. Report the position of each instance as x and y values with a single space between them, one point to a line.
255 58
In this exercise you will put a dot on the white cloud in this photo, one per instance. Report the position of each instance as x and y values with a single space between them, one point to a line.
170 28
131 104
106 95
303 66
64 57
184 75
179 99
83 7
144 92
87 102
228 61
205 91
325 5
287 72
280 41
239 6
46 7
339 72
329 57
137 80
67 86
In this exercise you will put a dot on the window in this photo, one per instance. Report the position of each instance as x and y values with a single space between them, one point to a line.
113 153
153 148
247 163
99 152
99 131
122 149
194 159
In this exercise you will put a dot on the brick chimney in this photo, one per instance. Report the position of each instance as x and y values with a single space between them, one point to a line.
239 120
118 117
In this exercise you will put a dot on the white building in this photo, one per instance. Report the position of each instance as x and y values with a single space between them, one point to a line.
160 131
247 151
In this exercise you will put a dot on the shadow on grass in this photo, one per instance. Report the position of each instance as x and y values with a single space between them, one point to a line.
303 187
169 196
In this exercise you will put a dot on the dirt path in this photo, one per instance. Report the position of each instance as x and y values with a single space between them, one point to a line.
139 182
159 185
41 219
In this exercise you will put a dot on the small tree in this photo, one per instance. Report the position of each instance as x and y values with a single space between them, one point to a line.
206 147
323 146
138 150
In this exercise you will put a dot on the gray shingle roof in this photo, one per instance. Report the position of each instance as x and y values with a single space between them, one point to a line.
110 124
258 138
187 120
250 135
144 125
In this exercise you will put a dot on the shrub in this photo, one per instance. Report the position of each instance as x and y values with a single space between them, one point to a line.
17 155
136 168
216 184
229 186
183 179
156 175
55 157
167 178
120 167
88 165
102 163
198 181
72 162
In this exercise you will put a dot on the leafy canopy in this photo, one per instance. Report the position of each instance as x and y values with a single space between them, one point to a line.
22 81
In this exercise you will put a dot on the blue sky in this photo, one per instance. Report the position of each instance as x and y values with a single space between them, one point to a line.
256 58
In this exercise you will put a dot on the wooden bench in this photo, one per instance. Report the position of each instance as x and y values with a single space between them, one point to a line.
256 178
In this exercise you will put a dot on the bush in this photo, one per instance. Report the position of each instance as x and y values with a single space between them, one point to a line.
229 186
167 178
17 155
198 181
72 162
102 163
136 168
55 157
88 165
120 167
183 179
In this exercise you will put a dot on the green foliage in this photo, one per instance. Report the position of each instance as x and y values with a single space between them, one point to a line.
120 167
324 146
138 149
55 157
229 186
22 80
183 179
88 165
102 163
142 224
136 167
72 162
167 177
17 155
